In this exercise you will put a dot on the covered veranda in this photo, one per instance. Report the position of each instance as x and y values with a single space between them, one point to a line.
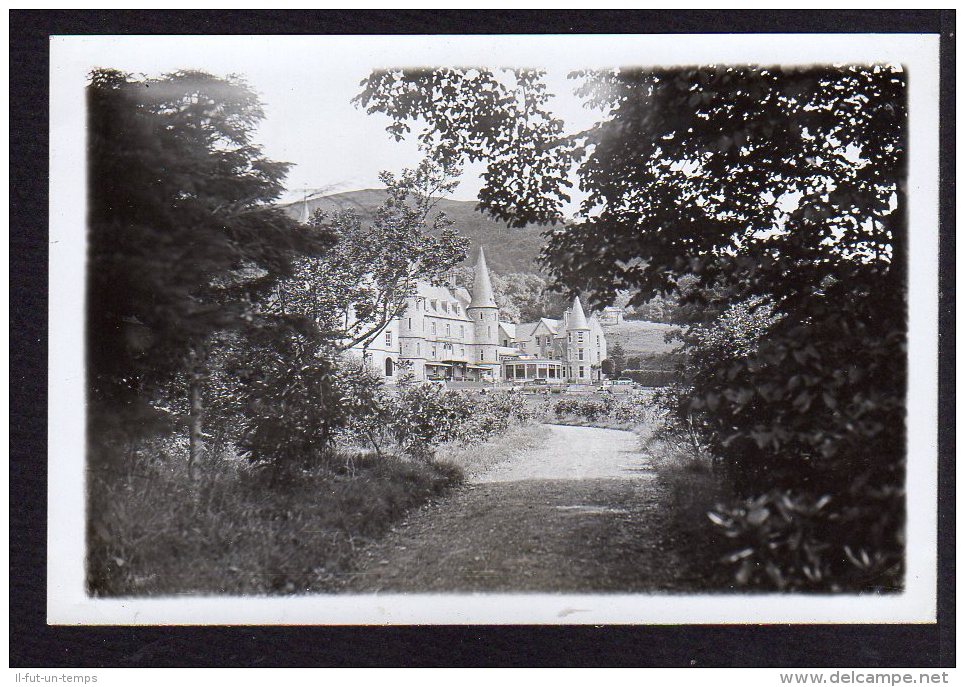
455 371
522 370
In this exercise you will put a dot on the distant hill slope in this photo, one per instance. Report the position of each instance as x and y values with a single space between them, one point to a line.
507 250
639 337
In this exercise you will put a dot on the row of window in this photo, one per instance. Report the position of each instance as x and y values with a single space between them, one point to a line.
547 340
462 333
433 329
443 307
517 371
447 348
548 372
440 306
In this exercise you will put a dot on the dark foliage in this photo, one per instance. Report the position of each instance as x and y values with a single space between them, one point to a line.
292 394
726 187
649 377
181 231
231 527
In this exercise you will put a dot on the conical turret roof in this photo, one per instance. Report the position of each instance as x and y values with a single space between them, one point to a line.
482 287
577 316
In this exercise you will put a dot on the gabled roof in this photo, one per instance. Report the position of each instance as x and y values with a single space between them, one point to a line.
525 331
509 328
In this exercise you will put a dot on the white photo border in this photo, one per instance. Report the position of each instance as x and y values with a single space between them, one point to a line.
72 58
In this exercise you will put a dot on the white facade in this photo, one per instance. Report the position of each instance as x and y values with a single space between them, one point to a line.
451 334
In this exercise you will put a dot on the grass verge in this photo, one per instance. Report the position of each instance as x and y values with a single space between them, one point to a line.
577 421
689 490
233 529
475 459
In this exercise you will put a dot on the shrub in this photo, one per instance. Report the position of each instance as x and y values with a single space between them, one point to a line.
231 528
424 416
294 400
810 443
651 378
493 413
368 406
799 541
623 410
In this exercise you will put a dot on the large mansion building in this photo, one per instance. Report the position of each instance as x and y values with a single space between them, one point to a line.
452 334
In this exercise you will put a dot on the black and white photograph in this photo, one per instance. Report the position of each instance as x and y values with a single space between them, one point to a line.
493 329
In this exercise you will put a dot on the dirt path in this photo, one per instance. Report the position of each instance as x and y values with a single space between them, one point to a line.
580 513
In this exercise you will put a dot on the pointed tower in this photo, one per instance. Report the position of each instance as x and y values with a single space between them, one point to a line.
484 313
578 317
482 285
579 352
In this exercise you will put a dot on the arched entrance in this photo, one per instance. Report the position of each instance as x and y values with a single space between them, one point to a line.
389 367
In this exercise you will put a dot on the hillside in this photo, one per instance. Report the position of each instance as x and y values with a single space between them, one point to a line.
507 250
639 337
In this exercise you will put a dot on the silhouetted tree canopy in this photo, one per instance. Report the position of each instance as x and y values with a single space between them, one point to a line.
182 233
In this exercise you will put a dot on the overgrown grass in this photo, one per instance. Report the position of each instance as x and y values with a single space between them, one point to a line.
477 459
689 490
231 528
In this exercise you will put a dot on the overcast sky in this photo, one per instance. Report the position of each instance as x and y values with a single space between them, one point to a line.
307 84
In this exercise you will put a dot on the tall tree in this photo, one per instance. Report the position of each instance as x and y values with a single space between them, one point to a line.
182 233
618 359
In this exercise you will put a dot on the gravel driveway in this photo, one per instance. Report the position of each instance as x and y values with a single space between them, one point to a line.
579 513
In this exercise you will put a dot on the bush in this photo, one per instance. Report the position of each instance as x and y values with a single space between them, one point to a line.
368 406
627 410
492 414
809 442
231 528
423 416
651 378
799 541
294 400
